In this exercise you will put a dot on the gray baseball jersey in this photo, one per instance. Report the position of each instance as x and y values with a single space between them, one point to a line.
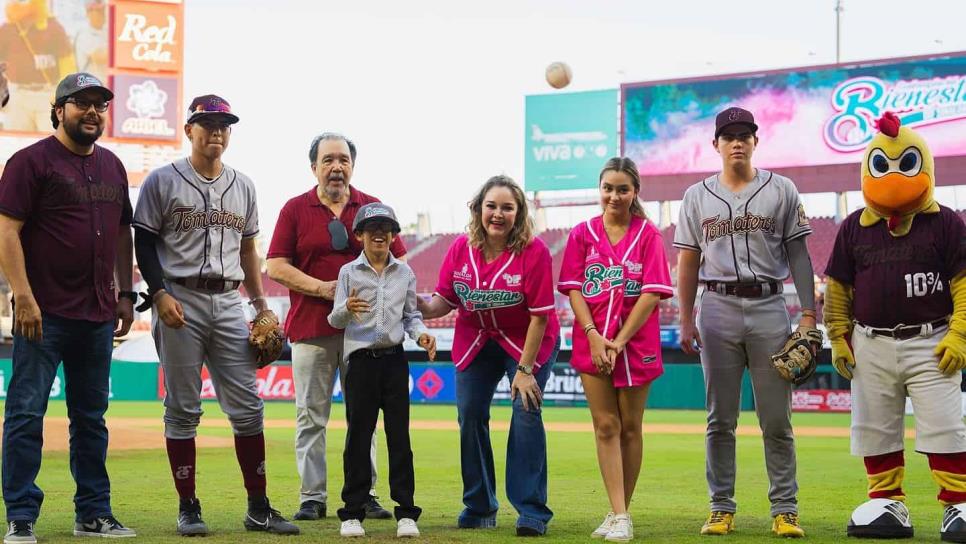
742 236
201 223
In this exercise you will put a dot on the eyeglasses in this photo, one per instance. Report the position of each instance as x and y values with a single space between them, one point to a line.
84 105
338 234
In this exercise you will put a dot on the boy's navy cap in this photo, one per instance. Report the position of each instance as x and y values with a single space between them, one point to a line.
734 116
372 211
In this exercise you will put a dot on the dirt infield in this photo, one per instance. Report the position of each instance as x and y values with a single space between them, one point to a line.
141 433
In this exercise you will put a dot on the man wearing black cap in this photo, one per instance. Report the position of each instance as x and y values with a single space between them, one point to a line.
741 233
195 227
65 247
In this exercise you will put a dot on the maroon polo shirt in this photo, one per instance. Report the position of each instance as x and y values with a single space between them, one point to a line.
72 207
900 280
302 236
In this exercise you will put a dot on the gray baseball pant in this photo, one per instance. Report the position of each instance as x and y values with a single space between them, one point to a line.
739 333
314 363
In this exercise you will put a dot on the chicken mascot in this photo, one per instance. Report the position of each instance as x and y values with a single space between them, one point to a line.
895 309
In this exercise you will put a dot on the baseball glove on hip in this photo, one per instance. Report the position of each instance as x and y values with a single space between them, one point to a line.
797 360
267 338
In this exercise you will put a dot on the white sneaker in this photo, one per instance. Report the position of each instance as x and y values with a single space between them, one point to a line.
604 528
622 530
406 528
352 528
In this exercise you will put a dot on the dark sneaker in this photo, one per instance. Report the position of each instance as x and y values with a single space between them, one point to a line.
310 510
189 519
262 517
374 510
107 526
20 532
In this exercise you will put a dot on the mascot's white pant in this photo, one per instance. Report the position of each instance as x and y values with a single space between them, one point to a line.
886 371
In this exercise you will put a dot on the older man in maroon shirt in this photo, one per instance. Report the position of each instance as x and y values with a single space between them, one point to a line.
313 239
66 249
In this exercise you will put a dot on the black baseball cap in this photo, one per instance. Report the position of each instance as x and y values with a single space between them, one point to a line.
372 212
734 116
80 81
210 105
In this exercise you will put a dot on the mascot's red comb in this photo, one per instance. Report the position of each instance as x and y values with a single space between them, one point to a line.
889 124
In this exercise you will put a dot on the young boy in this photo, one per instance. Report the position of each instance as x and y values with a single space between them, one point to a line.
375 302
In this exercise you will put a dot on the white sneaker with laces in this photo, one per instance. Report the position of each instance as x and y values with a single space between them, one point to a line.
352 528
604 528
406 528
622 530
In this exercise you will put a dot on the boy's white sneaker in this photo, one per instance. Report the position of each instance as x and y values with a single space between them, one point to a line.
352 528
604 528
622 530
406 528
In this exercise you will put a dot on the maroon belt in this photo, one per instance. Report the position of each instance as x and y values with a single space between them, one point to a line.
905 332
217 285
745 290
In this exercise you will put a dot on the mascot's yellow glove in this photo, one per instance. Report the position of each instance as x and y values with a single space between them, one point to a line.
838 322
951 350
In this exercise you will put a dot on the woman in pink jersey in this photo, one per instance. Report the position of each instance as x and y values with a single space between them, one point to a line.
499 277
615 271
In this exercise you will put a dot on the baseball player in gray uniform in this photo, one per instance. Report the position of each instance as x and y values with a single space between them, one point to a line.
195 225
740 232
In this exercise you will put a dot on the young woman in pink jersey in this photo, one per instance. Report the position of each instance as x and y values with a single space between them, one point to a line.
615 271
499 278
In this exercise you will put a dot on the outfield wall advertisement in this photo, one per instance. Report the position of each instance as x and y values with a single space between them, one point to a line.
806 116
568 138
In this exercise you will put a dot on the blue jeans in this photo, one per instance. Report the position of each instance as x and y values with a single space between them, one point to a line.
526 453
85 348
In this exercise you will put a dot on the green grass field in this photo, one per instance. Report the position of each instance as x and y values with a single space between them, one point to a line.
669 506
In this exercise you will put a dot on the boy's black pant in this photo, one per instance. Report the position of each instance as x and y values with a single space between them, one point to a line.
377 378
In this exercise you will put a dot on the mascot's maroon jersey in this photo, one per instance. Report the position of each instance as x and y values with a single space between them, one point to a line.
900 280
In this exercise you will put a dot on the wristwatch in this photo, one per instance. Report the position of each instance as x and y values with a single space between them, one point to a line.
526 369
130 295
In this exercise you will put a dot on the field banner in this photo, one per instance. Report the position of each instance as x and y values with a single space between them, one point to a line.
568 138
128 381
806 116
433 383
822 400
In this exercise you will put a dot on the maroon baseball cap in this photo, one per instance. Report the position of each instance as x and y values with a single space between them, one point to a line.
210 105
734 116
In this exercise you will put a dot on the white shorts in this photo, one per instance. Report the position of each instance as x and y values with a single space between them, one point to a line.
886 371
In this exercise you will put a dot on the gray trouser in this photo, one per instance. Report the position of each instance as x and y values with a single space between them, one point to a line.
314 362
739 333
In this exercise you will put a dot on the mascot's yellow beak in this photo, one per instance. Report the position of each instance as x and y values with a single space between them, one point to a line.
896 193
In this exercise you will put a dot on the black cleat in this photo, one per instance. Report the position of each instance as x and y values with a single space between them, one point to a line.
262 517
310 510
189 519
374 510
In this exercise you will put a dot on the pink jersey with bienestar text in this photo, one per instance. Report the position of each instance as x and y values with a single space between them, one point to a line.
611 279
495 300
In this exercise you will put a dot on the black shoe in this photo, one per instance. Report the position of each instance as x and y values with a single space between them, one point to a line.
20 532
310 510
528 531
189 519
107 526
262 517
374 510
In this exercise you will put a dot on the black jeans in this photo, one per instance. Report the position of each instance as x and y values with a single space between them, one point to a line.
374 381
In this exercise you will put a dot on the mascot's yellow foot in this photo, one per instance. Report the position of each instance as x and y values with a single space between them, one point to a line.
719 523
786 524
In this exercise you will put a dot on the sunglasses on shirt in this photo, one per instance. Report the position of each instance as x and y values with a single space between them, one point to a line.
338 234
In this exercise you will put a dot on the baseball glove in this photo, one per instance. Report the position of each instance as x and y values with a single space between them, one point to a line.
267 338
797 359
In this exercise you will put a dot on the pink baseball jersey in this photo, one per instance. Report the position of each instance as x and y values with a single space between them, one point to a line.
495 300
611 278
